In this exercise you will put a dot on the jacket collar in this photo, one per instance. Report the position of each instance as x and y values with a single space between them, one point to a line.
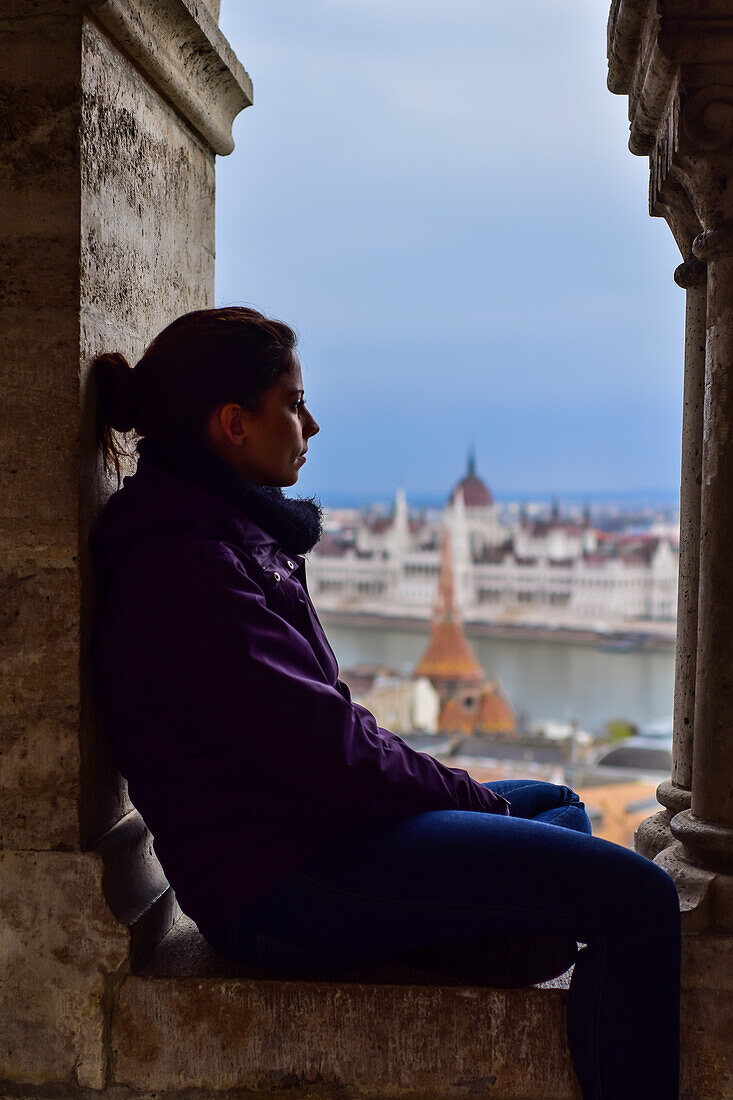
271 523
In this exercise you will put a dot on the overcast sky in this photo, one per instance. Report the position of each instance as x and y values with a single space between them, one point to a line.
439 197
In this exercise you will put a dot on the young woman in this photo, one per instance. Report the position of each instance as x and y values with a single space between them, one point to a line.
300 836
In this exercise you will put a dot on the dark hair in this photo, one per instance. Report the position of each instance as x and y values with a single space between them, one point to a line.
202 360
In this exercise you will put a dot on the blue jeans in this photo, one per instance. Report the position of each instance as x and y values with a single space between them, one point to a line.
452 879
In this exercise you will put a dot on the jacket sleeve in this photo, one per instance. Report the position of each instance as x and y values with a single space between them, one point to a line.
257 678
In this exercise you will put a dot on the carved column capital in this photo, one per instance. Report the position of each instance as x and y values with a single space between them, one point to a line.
690 274
713 243
707 118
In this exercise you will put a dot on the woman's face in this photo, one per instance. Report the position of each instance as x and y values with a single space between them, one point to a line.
275 436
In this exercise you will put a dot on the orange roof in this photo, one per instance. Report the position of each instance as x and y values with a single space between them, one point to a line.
489 713
454 718
449 655
495 714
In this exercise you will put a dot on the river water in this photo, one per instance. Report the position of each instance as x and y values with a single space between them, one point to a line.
542 679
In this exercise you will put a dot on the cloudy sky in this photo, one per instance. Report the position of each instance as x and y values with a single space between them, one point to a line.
439 197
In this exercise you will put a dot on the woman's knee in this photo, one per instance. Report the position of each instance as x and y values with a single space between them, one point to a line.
530 798
567 796
659 890
644 894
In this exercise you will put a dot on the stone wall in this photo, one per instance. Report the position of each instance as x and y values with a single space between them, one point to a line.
111 113
146 256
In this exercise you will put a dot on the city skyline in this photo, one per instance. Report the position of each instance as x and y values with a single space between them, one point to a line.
567 500
666 500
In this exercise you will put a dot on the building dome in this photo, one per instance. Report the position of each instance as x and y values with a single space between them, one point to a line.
476 493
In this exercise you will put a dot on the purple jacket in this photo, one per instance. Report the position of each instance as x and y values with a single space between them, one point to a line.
243 750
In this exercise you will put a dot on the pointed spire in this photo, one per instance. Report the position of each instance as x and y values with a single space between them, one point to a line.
476 492
400 534
448 660
455 517
471 472
445 605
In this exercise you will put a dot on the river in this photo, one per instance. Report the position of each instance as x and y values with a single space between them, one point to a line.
542 679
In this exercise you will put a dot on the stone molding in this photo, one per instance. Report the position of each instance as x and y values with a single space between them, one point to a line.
690 274
648 41
178 46
710 840
624 33
708 117
712 243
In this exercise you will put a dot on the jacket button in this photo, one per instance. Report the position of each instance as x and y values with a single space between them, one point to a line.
291 565
276 576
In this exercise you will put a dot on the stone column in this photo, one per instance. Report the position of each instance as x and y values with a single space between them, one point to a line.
690 275
654 834
112 113
707 828
674 60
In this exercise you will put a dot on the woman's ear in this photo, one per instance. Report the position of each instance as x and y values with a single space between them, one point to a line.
227 426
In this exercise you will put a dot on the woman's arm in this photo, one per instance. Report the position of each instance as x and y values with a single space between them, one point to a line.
257 681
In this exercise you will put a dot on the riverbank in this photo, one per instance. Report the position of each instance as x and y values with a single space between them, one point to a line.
649 637
545 677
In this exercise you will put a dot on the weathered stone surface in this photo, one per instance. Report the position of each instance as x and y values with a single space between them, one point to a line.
60 949
39 351
107 232
147 224
39 779
39 217
354 1040
181 50
39 699
706 1072
146 256
39 597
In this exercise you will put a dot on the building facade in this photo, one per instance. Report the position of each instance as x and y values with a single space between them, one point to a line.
553 572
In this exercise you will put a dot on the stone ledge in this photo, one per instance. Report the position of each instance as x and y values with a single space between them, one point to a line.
180 49
190 1022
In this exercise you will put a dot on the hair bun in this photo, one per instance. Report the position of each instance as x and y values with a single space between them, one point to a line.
116 398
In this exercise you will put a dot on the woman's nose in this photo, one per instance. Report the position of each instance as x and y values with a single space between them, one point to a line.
313 426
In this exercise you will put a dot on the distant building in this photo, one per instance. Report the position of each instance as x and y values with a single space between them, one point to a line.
550 572
469 703
403 706
449 662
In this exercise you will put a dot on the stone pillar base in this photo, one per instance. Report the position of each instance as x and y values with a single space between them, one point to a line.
655 833
706 905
